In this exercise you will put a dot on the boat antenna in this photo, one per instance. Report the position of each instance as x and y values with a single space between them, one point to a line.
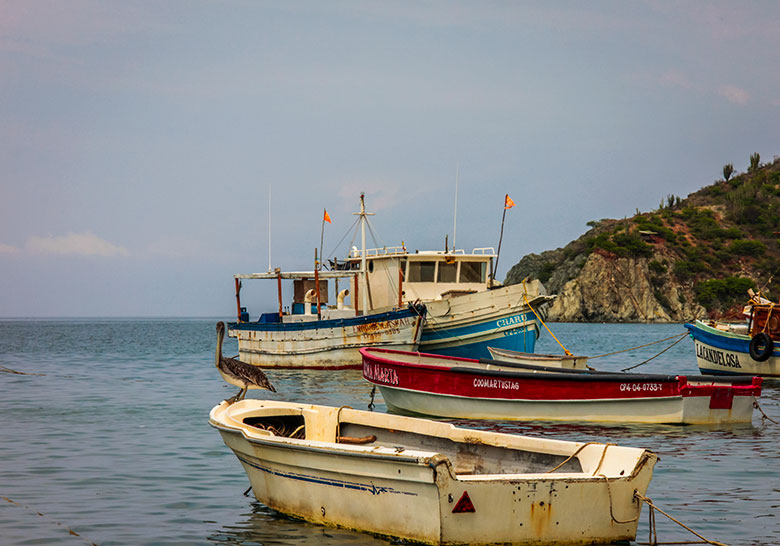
269 228
455 213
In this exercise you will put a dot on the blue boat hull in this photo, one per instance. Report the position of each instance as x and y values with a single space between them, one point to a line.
516 332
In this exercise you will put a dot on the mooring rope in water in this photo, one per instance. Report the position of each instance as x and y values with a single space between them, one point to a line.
640 346
50 520
371 405
764 416
653 538
682 336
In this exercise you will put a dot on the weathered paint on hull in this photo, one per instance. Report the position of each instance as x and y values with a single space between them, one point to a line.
412 494
332 344
727 353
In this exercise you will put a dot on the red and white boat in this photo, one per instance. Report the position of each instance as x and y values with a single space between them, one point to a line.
442 386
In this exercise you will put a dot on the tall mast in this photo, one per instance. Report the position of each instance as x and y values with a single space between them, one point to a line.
269 228
363 270
455 214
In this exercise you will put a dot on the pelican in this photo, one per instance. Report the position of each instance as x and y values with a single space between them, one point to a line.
238 373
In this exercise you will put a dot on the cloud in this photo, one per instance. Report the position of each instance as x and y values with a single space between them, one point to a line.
177 247
79 244
8 249
675 78
734 94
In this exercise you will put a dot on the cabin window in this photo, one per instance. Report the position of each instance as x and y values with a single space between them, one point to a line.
447 272
473 271
421 271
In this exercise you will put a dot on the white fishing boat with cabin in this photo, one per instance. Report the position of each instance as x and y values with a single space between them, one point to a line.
467 310
314 335
431 482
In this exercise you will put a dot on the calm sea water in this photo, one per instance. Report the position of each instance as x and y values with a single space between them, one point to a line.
111 441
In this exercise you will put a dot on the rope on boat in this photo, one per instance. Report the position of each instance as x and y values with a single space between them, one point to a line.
611 514
579 449
525 297
764 416
44 516
682 336
653 538
371 405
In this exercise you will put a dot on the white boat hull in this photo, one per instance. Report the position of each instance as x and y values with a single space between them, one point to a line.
568 362
671 410
417 493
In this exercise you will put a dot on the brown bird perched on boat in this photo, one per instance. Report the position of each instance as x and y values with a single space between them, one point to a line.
239 373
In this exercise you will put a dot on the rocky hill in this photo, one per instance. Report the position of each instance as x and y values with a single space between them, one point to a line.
690 258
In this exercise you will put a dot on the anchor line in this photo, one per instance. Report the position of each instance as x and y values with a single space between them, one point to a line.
682 336
640 346
9 370
50 520
764 416
653 539
525 297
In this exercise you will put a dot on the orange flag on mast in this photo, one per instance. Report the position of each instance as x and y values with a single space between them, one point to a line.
326 218
508 203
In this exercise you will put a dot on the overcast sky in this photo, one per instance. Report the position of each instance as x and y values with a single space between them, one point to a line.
139 139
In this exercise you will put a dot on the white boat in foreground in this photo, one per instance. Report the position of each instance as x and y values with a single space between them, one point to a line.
569 362
431 482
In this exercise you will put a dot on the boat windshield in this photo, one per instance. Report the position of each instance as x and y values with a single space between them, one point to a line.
472 271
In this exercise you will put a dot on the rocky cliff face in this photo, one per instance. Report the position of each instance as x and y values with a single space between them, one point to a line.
602 287
614 289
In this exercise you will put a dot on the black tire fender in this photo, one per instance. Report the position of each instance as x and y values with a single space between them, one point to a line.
761 347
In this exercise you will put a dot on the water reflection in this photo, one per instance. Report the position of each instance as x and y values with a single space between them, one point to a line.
264 526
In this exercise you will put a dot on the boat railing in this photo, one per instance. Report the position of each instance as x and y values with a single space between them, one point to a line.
384 251
400 250
485 250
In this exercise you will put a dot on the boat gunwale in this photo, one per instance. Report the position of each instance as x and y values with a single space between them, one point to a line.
430 459
327 323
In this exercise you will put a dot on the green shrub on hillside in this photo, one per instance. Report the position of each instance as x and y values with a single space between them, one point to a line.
546 271
686 269
722 292
627 245
747 247
656 267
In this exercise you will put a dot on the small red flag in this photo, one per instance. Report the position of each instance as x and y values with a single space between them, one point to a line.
508 203
326 218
